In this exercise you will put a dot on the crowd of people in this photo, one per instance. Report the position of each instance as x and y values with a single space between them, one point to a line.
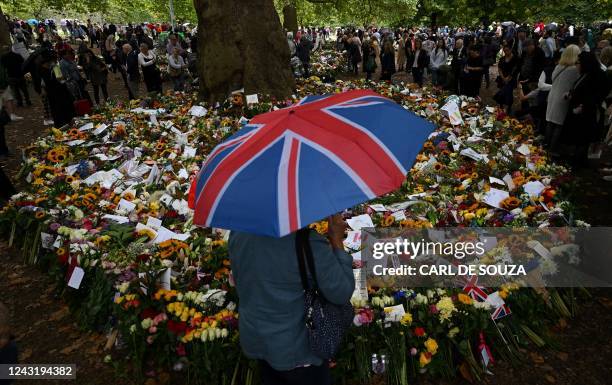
65 65
559 76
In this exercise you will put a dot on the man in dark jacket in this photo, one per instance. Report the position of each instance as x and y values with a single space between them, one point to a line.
130 64
458 61
303 49
532 65
13 62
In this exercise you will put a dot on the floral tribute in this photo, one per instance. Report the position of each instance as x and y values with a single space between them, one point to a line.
107 198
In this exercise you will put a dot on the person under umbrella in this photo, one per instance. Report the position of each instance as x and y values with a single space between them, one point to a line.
266 183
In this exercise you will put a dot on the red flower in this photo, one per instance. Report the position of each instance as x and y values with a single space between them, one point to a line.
177 328
62 259
148 313
419 331
171 214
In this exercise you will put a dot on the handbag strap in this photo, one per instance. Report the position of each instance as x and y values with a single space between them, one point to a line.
304 252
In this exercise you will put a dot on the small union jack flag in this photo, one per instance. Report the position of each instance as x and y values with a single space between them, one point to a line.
471 288
501 312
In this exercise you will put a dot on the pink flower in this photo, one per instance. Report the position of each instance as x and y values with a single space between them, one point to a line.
433 309
150 339
153 329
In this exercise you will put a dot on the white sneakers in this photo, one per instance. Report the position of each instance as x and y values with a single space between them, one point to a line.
15 117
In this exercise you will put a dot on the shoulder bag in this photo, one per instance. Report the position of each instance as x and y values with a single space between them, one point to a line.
326 322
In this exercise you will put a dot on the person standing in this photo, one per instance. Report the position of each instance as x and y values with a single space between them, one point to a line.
13 63
564 76
489 54
439 55
61 101
267 276
457 63
508 67
472 73
418 60
401 52
148 63
97 73
387 61
303 48
132 71
585 98
109 48
176 69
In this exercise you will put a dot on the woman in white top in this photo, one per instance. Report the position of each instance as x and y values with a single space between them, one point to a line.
438 58
563 77
176 69
147 62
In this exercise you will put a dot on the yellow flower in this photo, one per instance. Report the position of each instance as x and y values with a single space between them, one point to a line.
465 299
424 359
529 210
468 216
431 345
503 293
406 319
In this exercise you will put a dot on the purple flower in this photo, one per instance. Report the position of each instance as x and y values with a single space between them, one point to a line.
508 217
54 226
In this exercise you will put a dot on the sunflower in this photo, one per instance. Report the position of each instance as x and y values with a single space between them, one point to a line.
40 214
510 203
388 221
61 251
438 166
52 155
69 179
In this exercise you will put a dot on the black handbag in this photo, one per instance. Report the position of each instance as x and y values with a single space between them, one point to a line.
326 322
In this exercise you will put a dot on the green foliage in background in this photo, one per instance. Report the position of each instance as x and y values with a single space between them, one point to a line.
332 12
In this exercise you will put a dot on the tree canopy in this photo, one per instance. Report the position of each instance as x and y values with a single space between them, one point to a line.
333 12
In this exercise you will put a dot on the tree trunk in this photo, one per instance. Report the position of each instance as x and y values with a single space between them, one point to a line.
5 34
290 22
241 45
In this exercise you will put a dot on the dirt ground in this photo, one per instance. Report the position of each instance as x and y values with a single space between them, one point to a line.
46 332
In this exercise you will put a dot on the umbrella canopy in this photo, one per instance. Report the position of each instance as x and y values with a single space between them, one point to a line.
32 22
294 166
551 27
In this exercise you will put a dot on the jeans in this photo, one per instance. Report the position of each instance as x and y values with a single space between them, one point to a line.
19 86
309 375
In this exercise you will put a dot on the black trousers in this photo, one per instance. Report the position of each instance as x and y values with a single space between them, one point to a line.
20 89
309 375
96 90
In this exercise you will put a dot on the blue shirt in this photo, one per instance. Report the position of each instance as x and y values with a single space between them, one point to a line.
271 299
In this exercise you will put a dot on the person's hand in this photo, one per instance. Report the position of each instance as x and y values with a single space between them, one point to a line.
335 230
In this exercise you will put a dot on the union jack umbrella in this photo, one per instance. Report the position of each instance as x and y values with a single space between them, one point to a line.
294 166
